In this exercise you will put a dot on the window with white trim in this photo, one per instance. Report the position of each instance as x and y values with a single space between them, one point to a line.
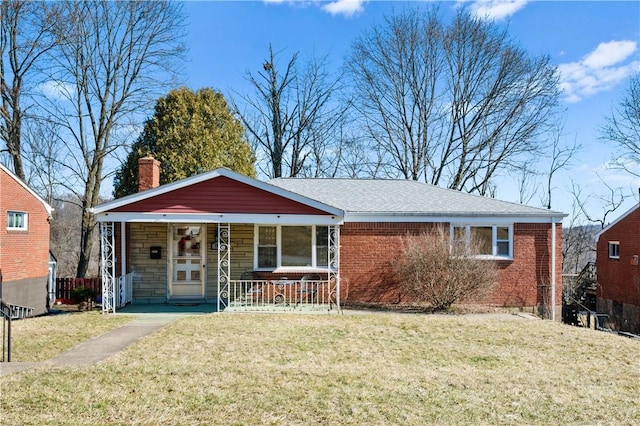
614 249
17 220
284 246
267 250
489 240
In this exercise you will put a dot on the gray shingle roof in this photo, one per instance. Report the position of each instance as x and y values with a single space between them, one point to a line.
403 197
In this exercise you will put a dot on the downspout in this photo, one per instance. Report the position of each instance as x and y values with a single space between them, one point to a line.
553 269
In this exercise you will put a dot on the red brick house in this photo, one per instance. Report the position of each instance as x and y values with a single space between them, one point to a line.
238 241
24 244
618 269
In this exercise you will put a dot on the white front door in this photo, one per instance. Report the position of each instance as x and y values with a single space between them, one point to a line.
188 261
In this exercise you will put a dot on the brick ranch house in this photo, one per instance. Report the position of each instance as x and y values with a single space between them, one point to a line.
243 243
618 271
24 244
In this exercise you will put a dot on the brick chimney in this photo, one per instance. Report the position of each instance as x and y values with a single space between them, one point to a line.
148 173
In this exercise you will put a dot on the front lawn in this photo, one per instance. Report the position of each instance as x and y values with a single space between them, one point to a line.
41 338
344 370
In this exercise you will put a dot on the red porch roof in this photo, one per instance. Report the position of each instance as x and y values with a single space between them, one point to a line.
219 195
220 191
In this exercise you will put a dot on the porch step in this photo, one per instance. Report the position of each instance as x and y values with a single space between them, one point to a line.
186 302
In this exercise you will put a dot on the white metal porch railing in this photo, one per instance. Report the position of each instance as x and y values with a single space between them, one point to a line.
113 298
125 287
284 294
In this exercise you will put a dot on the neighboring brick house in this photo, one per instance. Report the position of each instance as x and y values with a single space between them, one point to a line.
24 244
199 237
618 269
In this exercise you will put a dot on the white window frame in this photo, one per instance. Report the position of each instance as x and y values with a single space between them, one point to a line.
25 221
494 238
614 253
279 267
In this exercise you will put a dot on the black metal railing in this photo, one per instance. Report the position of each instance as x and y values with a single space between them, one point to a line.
5 312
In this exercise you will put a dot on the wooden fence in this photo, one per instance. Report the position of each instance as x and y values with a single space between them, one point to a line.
65 286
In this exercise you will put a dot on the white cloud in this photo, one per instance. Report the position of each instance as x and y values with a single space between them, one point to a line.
607 54
56 90
347 8
599 70
494 9
344 7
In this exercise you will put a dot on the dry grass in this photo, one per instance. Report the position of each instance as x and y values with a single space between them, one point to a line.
41 338
347 370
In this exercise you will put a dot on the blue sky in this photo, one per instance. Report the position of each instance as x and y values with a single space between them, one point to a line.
596 46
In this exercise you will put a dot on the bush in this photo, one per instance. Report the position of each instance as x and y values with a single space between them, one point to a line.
440 272
82 294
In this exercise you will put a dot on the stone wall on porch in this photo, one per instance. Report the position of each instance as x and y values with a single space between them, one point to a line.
150 278
151 275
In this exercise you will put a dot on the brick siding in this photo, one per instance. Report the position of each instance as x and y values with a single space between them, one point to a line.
24 255
619 279
367 250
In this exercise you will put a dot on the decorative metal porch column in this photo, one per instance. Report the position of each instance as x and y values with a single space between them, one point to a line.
334 261
224 264
108 267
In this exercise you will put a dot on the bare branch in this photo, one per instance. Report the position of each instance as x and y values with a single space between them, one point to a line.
622 129
293 116
453 104
111 61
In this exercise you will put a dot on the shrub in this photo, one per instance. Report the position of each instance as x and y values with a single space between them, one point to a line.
82 294
441 272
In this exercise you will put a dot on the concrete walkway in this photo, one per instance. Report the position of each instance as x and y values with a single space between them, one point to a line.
98 348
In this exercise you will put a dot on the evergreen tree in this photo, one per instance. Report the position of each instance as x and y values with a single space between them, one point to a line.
189 133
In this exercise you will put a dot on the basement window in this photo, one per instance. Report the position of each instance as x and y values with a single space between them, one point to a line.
614 249
17 221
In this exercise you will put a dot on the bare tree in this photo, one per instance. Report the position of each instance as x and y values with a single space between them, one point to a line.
25 36
578 242
560 158
527 184
43 154
109 65
451 104
292 113
67 213
395 69
623 129
608 203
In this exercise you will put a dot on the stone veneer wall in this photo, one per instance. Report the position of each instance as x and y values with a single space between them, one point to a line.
150 279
